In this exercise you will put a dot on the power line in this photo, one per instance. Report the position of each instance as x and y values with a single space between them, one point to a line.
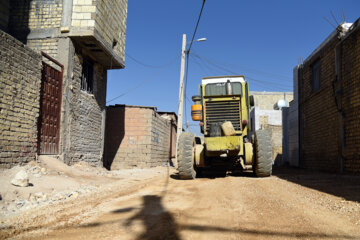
278 85
197 24
272 75
139 85
188 53
152 66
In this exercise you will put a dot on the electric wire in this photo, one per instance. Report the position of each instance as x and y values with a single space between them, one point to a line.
144 81
266 84
152 66
221 65
261 82
188 53
197 24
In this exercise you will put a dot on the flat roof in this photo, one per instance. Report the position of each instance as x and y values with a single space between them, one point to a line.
131 106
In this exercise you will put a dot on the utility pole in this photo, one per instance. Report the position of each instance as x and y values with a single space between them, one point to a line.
181 94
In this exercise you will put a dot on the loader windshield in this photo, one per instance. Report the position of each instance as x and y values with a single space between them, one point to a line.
218 89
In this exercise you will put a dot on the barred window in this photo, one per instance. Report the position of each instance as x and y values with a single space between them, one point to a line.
87 76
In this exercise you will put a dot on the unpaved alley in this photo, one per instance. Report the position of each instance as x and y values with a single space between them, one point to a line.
291 204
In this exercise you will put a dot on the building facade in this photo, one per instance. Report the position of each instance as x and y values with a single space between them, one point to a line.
264 116
81 40
329 103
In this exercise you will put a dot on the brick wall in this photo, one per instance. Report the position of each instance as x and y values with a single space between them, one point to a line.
135 137
350 74
20 82
318 114
107 18
28 15
48 45
110 22
320 122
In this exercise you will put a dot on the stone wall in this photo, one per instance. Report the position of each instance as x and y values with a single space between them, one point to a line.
87 112
135 136
20 82
329 117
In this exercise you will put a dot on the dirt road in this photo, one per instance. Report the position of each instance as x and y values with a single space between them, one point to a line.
292 204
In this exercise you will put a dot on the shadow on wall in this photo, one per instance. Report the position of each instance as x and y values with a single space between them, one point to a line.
114 134
19 19
344 186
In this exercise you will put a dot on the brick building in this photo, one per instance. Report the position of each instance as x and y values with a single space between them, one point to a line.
81 40
329 103
138 136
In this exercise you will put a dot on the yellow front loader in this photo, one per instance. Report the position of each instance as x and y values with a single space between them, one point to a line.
223 110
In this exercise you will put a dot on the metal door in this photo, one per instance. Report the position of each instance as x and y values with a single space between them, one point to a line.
50 103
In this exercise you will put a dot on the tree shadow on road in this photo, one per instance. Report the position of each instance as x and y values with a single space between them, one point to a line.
344 186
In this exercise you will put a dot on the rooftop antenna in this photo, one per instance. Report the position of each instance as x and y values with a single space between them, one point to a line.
343 14
329 22
334 18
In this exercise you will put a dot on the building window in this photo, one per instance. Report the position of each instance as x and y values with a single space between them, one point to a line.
87 76
316 69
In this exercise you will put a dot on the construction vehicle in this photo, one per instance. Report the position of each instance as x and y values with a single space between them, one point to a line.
223 110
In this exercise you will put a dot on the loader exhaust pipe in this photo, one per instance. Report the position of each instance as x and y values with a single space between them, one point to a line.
228 88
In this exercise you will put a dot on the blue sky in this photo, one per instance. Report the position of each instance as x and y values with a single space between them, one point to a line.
262 40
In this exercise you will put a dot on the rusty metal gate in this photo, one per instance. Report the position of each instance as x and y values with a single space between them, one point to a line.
50 104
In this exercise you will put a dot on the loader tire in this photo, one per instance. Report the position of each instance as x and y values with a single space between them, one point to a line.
186 156
262 154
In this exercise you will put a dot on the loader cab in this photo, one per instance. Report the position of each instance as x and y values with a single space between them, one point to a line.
220 99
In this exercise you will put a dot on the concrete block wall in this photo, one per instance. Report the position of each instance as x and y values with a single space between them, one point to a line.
135 136
20 82
276 141
160 140
128 137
